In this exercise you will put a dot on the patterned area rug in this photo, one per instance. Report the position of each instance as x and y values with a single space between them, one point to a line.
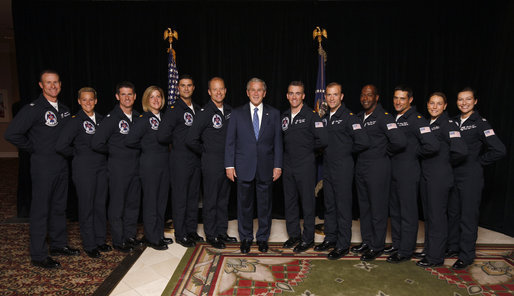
208 271
79 275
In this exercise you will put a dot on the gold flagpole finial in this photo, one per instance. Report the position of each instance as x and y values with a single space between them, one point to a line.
170 34
320 33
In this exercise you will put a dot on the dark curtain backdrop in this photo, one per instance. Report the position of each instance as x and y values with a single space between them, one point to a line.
432 46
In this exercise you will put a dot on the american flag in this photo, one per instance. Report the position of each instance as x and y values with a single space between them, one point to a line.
172 80
319 97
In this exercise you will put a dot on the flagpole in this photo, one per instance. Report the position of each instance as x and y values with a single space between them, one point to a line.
172 67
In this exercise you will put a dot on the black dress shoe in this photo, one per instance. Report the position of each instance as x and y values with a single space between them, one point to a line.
195 237
371 255
424 263
291 242
65 251
459 264
48 263
159 246
216 243
303 246
450 253
94 253
390 250
397 258
419 255
325 245
104 248
337 253
360 249
185 242
227 239
263 246
124 248
245 246
134 242
167 240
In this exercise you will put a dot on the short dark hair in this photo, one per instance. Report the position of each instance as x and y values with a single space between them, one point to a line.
403 87
373 87
48 71
125 84
467 88
297 83
439 94
186 76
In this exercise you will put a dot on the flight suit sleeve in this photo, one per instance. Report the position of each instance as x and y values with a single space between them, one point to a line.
102 135
64 145
17 130
458 147
230 141
494 148
133 139
360 137
165 132
194 134
319 131
396 138
428 143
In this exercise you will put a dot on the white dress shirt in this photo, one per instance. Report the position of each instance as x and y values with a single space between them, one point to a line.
259 112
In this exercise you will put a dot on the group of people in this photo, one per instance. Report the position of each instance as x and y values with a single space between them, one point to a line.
127 155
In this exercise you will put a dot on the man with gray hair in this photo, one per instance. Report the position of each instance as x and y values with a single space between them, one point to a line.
253 156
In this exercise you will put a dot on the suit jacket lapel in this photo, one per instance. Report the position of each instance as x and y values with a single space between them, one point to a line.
248 116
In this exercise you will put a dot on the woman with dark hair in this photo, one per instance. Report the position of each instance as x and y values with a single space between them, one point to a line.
437 180
153 168
484 148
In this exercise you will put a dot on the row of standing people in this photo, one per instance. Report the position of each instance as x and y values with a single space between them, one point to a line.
137 149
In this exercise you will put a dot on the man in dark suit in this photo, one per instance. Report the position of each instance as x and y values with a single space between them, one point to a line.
253 155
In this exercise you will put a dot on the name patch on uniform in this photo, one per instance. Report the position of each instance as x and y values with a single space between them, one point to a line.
402 124
216 121
424 130
370 123
356 126
89 128
302 120
124 127
285 123
227 117
154 123
50 119
391 126
66 114
318 124
188 119
454 134
435 127
338 121
489 132
467 127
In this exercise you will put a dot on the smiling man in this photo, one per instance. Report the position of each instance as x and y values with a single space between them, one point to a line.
207 138
123 168
184 163
304 134
253 158
406 173
36 129
345 137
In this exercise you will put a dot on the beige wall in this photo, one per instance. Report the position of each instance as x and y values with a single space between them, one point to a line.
8 72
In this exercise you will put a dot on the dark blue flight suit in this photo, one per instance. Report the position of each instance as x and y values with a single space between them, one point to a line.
36 129
406 174
207 138
484 148
154 173
123 169
303 136
436 184
185 168
345 138
89 173
373 175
